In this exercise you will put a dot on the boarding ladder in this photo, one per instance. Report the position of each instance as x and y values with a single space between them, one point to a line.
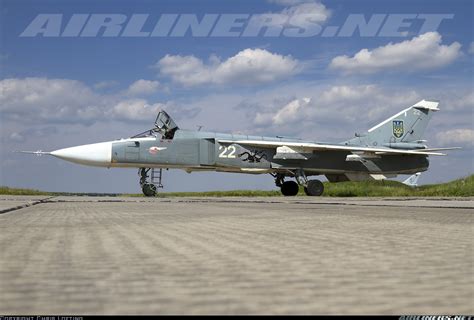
156 175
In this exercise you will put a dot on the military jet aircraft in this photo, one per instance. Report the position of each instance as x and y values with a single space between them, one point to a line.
394 146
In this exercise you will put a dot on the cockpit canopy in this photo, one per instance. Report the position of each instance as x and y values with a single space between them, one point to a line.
165 125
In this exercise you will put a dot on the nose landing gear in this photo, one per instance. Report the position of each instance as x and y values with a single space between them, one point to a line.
150 180
149 190
288 188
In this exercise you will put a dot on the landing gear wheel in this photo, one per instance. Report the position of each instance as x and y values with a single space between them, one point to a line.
289 188
314 188
149 190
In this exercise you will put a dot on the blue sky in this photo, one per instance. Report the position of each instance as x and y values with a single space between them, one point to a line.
62 91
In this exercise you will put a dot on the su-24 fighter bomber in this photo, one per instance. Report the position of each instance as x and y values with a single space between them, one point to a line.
394 146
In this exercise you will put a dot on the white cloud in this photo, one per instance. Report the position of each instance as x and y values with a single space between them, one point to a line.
44 98
289 2
106 84
16 137
330 113
70 101
28 133
459 102
291 112
135 109
249 66
456 136
335 112
143 87
317 10
471 48
422 52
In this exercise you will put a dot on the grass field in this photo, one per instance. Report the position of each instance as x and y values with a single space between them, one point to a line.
457 188
23 192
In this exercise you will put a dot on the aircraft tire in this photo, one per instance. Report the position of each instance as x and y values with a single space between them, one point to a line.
314 188
149 190
289 188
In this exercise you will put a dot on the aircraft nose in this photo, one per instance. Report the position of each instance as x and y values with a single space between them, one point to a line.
97 154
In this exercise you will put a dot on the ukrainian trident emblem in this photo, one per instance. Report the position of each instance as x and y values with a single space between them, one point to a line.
398 128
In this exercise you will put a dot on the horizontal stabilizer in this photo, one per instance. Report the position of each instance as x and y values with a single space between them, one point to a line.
412 181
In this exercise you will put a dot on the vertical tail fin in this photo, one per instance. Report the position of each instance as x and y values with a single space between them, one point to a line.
403 130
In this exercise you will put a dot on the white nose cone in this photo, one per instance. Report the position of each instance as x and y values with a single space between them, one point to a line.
97 154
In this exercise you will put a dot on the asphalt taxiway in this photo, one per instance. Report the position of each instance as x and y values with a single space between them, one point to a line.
112 255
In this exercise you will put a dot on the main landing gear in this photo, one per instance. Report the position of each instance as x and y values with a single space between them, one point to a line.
291 188
150 180
314 188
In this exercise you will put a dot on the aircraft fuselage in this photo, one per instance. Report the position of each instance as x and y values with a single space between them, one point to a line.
201 151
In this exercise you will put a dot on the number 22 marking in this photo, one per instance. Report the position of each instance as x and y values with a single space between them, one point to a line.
224 153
